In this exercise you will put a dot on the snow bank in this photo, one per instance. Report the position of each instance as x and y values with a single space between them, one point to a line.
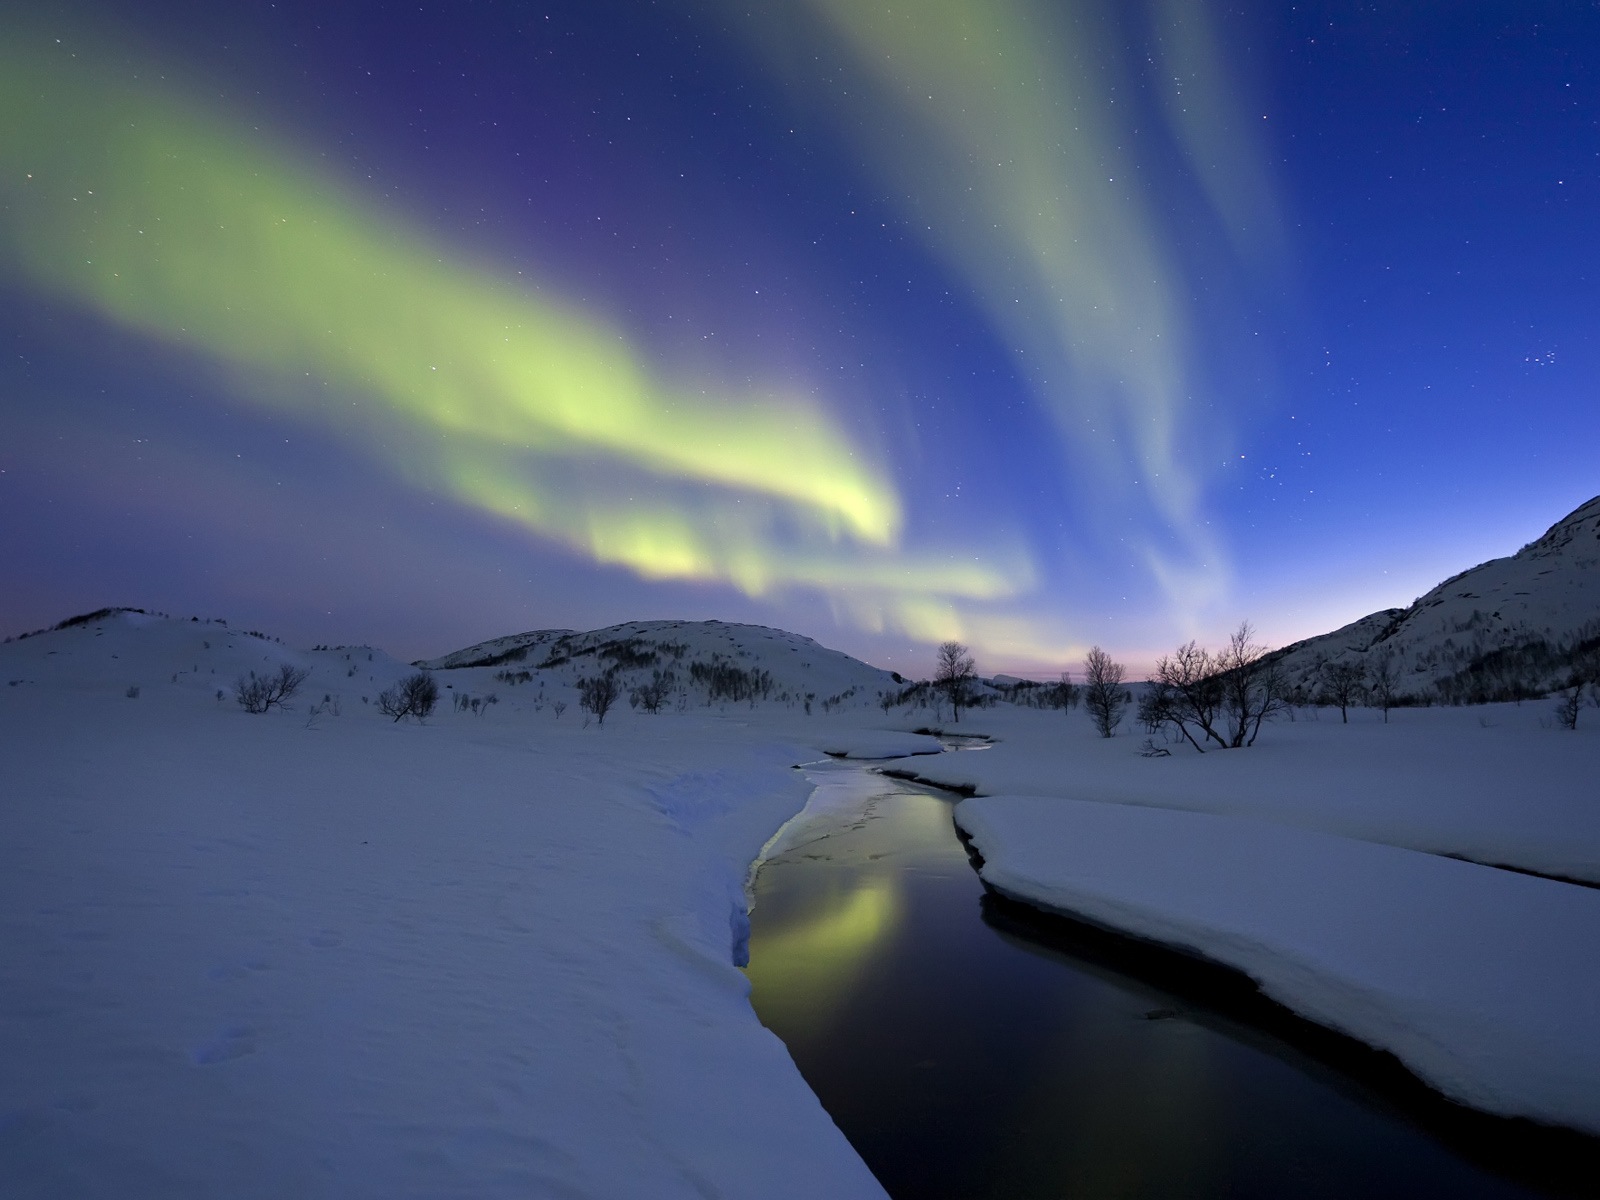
1496 783
1482 981
489 956
876 743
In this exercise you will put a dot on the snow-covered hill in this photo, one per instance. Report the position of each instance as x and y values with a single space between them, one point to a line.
130 652
700 661
1505 629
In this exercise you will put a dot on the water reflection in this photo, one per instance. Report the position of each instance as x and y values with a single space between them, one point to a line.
963 1060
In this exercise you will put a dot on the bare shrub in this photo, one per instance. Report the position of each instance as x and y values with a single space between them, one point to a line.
330 706
597 695
414 696
651 696
258 693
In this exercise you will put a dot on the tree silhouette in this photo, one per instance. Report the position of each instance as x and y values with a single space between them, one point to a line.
954 675
1103 693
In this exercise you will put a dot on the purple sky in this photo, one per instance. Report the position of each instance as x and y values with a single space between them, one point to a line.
1028 324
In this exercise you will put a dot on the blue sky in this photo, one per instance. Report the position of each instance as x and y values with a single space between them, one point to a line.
1037 326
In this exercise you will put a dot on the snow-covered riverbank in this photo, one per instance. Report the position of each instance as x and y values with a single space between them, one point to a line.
1478 979
487 956
1318 862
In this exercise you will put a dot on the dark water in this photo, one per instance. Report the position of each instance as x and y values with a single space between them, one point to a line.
968 1049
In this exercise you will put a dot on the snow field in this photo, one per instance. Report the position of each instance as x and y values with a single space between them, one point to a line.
1496 783
492 955
485 956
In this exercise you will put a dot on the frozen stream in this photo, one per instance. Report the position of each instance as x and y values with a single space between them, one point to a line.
968 1050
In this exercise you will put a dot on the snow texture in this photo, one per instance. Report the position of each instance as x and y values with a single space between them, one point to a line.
1480 980
336 956
1494 783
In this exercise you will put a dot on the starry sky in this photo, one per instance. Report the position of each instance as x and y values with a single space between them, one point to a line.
1034 325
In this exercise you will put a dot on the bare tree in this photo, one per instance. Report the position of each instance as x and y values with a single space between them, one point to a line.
954 674
1569 706
1383 682
1252 686
1585 674
257 693
1157 706
413 696
1186 692
1067 692
1221 698
1103 693
597 695
1343 684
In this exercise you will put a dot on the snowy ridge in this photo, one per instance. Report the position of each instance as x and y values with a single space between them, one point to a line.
1510 623
164 657
516 647
705 661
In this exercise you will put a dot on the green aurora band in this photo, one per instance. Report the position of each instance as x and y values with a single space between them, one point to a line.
996 125
136 201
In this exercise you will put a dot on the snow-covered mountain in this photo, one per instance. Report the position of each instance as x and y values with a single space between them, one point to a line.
1507 628
700 660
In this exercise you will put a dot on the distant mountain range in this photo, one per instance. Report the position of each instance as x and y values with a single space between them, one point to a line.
1508 629
1505 630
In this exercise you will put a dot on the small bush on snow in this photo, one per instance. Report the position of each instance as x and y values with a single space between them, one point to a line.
413 696
258 693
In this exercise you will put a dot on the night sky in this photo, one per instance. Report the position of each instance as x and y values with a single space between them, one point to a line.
1035 325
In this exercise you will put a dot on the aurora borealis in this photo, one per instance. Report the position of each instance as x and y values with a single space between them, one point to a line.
1032 325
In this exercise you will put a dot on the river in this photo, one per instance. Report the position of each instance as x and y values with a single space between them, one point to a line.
968 1048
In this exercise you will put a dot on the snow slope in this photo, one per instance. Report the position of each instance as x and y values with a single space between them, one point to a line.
297 955
1548 591
1479 980
798 669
